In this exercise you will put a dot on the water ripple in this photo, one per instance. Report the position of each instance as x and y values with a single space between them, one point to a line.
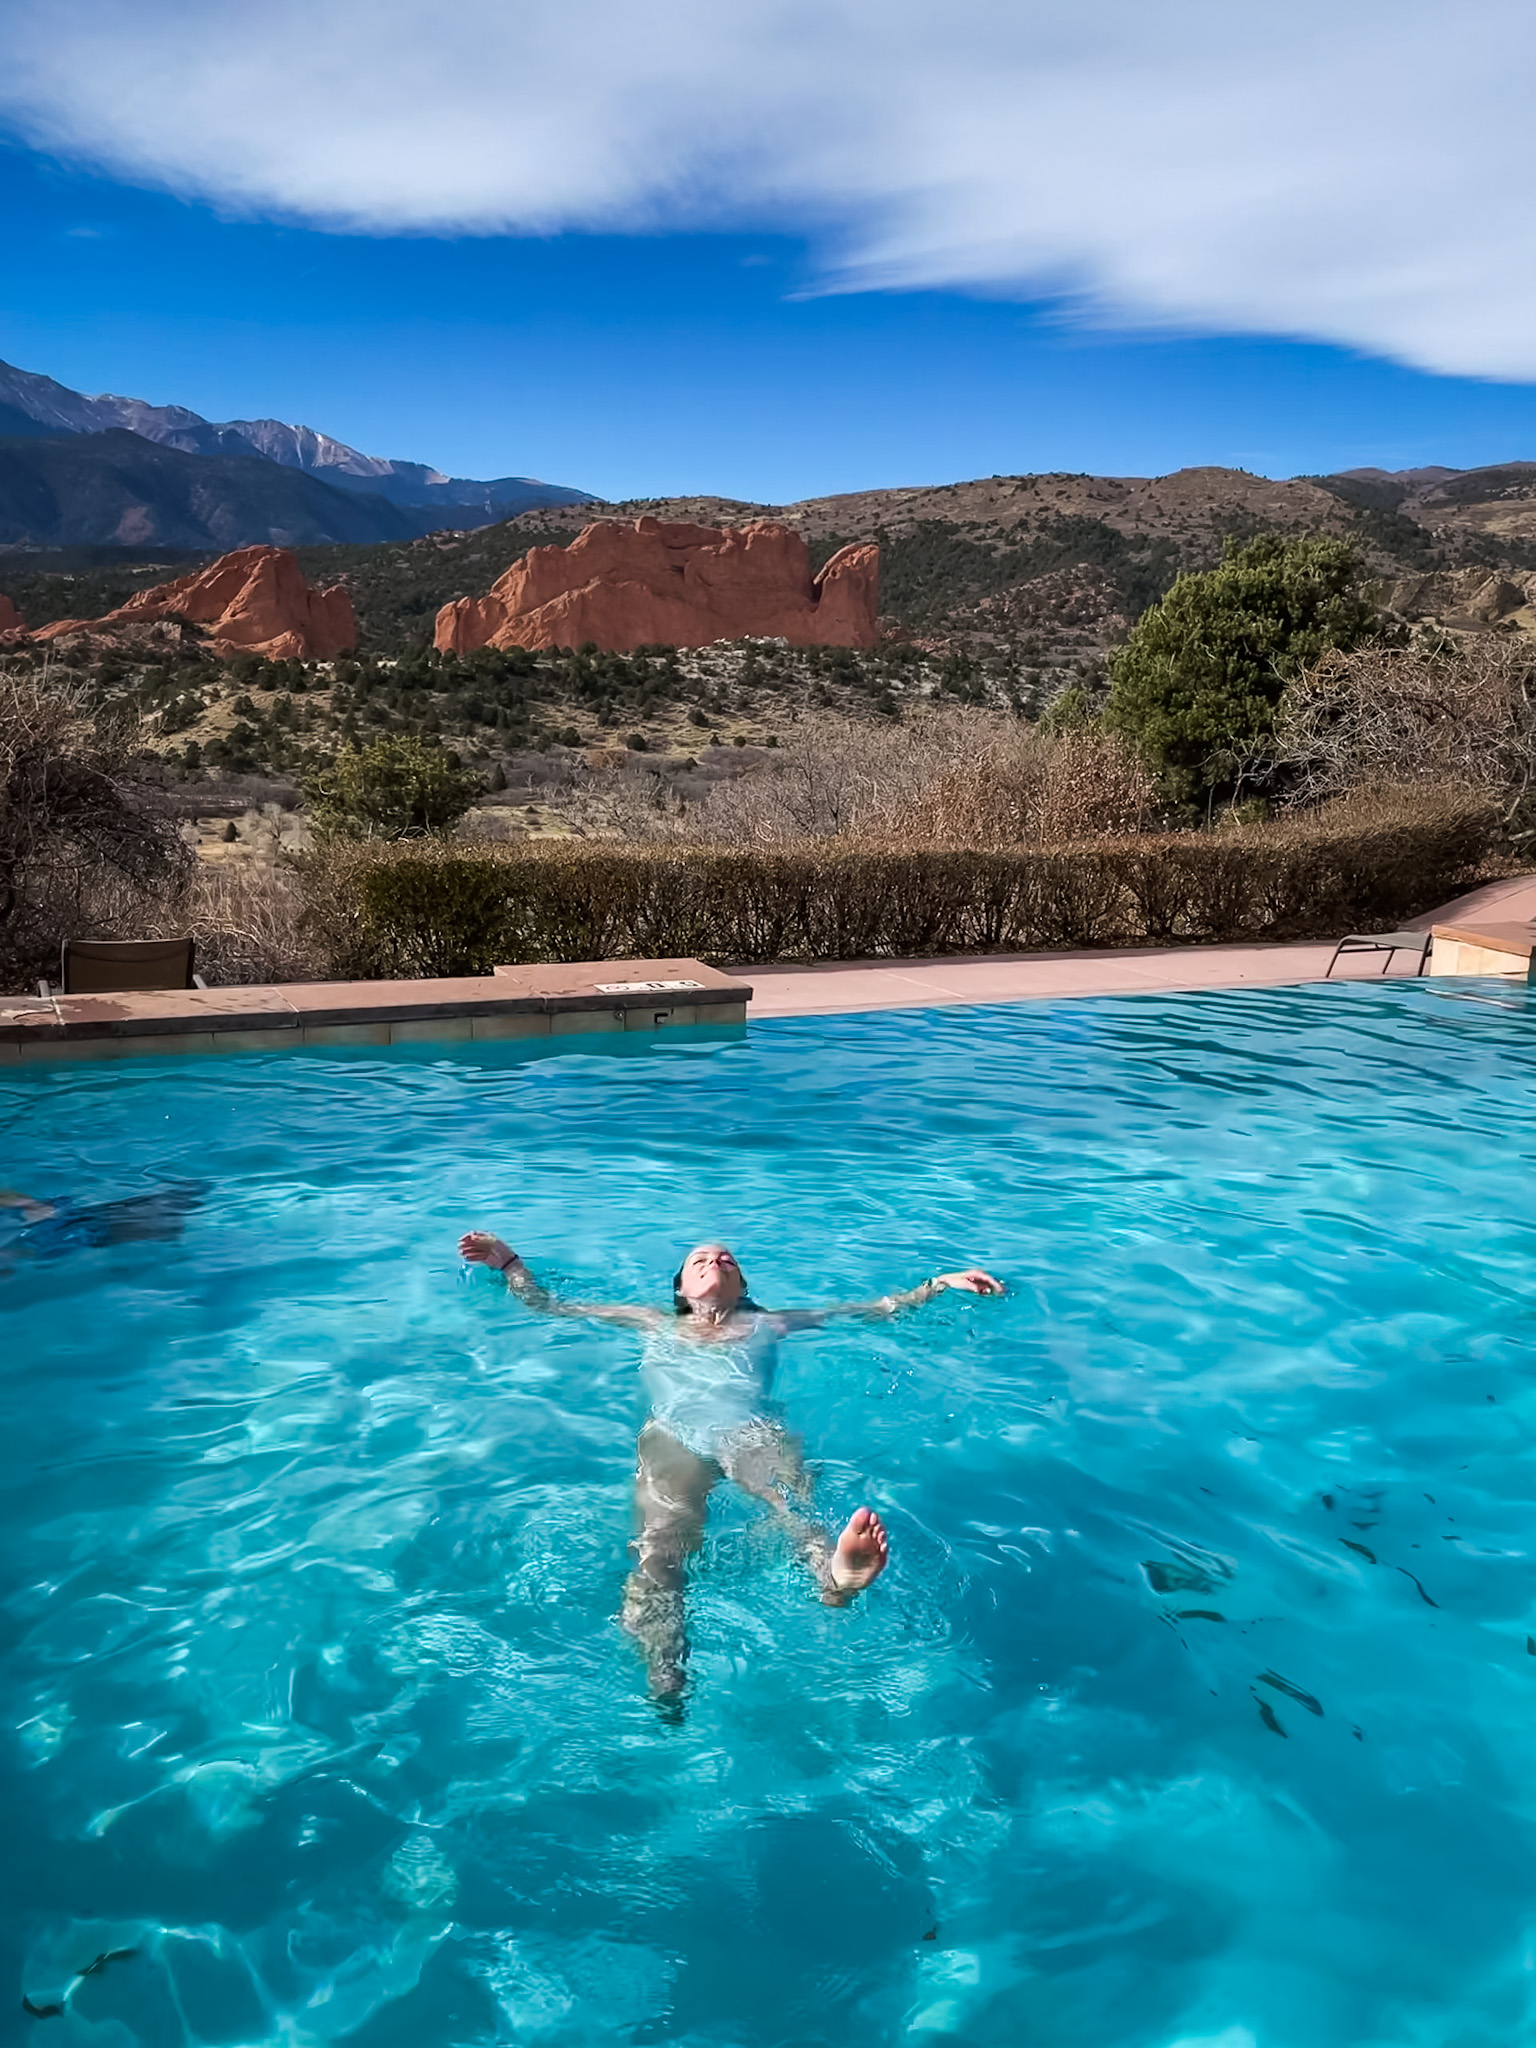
1198 1701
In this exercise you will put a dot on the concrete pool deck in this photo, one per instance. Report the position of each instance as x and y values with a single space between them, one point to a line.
1490 931
820 991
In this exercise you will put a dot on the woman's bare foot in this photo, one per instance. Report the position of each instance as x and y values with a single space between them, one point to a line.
862 1554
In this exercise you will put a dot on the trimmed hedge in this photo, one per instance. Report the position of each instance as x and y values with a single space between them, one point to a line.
432 907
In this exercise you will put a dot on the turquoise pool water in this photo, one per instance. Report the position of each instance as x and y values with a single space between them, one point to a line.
1198 1706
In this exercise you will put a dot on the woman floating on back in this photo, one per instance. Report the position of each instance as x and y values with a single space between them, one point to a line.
708 1368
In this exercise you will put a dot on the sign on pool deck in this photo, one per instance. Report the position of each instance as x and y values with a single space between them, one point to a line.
643 988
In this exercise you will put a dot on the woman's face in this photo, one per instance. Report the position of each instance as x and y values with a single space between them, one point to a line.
712 1276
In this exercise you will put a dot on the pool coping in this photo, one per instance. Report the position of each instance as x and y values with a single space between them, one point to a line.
582 998
1486 946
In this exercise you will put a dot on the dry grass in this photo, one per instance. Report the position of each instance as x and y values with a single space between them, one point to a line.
942 777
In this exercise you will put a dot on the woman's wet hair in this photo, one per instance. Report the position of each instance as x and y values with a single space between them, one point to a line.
682 1306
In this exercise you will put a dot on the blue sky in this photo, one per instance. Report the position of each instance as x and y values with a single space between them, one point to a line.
786 304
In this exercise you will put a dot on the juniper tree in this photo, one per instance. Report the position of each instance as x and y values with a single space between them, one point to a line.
1201 675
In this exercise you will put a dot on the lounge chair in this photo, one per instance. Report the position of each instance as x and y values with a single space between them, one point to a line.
98 967
1384 942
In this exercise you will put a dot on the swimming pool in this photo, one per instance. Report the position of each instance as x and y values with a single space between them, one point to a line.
1198 1705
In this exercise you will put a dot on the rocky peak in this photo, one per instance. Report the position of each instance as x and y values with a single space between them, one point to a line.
672 583
254 601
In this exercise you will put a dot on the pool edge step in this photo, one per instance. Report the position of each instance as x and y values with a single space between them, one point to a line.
584 998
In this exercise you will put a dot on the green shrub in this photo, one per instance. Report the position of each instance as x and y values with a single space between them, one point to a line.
404 909
1202 672
398 787
435 908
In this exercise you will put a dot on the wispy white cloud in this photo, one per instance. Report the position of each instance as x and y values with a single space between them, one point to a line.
1360 173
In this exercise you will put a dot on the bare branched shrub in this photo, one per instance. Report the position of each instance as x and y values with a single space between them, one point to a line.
242 916
1033 789
246 919
941 777
630 802
78 835
1464 717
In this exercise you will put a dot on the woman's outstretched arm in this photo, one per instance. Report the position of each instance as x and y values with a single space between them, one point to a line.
480 1248
972 1281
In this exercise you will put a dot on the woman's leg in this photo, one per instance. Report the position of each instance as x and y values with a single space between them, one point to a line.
672 1487
767 1462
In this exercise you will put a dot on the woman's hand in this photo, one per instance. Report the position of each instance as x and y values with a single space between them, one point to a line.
971 1281
480 1248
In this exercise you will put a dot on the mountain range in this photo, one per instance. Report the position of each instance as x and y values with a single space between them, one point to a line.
108 471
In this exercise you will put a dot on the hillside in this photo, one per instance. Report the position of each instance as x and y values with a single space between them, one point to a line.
1074 560
1003 591
1047 570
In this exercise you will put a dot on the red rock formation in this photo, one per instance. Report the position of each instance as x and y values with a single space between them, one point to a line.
256 601
673 586
10 618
